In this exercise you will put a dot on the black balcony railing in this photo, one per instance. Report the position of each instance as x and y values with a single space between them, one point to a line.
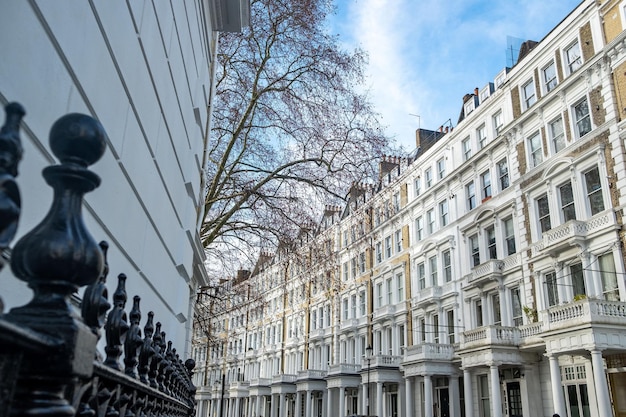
49 364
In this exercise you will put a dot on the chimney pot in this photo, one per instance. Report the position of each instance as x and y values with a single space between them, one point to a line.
476 91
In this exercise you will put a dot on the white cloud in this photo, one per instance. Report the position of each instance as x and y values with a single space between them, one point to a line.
425 55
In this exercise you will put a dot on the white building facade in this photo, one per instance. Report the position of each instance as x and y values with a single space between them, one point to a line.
144 70
483 276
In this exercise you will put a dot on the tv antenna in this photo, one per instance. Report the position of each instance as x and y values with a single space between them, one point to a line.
419 119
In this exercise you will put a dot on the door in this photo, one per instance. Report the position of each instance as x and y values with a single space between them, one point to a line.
514 399
443 402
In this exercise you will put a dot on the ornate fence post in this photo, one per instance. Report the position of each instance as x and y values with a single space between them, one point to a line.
56 258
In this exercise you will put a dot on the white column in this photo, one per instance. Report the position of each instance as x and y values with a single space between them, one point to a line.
496 397
428 396
455 397
401 400
342 402
329 403
468 394
307 406
274 406
504 311
557 388
298 404
236 408
379 399
601 386
585 256
408 387
620 271
596 279
282 405
365 398
257 406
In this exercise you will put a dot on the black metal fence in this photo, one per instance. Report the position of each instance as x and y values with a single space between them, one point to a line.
49 364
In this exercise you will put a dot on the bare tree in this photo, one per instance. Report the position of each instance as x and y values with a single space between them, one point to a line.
291 128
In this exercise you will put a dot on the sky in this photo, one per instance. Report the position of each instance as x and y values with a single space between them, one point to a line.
424 55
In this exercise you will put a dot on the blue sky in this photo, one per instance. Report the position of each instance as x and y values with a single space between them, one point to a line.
424 55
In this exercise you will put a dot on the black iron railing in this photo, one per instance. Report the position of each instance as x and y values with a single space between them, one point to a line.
49 364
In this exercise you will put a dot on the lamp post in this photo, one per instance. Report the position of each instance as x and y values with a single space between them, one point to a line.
368 356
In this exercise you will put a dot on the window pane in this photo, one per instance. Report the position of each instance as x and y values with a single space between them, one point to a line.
491 243
509 234
557 135
529 94
567 202
447 266
503 174
543 210
471 195
474 250
594 191
485 179
578 279
609 277
549 77
581 115
551 286
573 57
534 145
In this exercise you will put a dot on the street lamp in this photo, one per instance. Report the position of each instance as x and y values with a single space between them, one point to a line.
368 356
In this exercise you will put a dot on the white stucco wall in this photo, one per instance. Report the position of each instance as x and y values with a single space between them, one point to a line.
143 69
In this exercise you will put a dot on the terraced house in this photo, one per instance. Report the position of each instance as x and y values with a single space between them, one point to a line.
482 276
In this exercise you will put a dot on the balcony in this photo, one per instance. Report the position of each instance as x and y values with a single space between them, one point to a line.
530 334
572 232
490 336
349 324
491 269
260 382
383 361
311 374
344 368
317 334
429 352
283 379
239 385
386 311
582 313
428 295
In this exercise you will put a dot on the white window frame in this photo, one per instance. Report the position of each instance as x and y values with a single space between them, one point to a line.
433 270
470 195
431 222
557 138
567 206
572 61
486 190
498 122
466 148
535 155
417 186
550 80
419 228
504 181
444 213
481 136
509 235
589 194
428 173
441 168
398 240
474 250
541 226
578 119
529 94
